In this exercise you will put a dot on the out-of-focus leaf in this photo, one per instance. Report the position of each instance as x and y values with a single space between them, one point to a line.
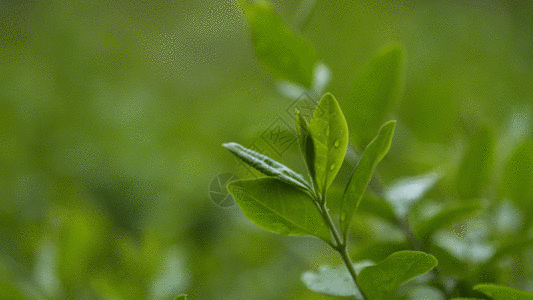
517 179
375 93
404 192
374 153
446 217
381 281
334 281
330 138
281 53
181 297
377 206
378 251
307 146
277 206
267 165
476 165
466 299
498 292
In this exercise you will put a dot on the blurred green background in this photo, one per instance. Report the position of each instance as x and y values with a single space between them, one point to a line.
112 116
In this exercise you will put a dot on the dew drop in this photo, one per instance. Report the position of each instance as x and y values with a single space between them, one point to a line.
337 143
332 167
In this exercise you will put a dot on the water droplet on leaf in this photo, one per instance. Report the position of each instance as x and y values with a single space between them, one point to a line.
332 167
337 143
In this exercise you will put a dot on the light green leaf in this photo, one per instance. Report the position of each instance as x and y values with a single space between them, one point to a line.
517 179
476 165
306 143
281 53
404 192
330 137
375 93
181 297
381 281
498 292
277 206
466 299
374 153
446 217
334 281
267 165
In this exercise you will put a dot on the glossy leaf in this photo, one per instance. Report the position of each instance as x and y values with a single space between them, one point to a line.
374 153
446 217
381 281
334 281
498 292
267 165
404 192
330 137
476 165
375 93
517 179
277 206
281 52
306 143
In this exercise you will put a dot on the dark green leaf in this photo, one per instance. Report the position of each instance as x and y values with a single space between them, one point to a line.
267 165
306 143
375 93
334 281
446 217
280 207
476 165
517 179
281 53
355 190
498 292
330 137
381 281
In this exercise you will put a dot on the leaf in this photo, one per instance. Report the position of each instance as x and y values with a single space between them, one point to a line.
181 297
517 179
334 281
375 93
374 153
281 53
445 218
277 206
306 143
404 192
381 281
267 165
498 292
377 206
476 165
330 137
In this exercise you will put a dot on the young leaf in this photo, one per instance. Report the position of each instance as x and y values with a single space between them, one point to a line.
381 281
307 146
181 297
334 281
497 292
267 165
374 153
281 53
277 206
330 137
375 93
475 169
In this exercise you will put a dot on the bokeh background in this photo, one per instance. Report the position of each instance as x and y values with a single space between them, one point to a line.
113 113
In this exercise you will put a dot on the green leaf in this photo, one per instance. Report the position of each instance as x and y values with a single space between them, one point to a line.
404 192
334 281
375 93
446 217
267 165
281 53
374 153
517 179
476 166
502 292
277 206
466 299
181 297
381 281
377 206
306 143
330 137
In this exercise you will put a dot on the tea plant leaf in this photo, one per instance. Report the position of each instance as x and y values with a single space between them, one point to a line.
374 153
498 292
330 137
281 53
446 217
375 93
277 206
334 281
404 192
306 143
476 165
381 281
517 179
267 165
181 297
